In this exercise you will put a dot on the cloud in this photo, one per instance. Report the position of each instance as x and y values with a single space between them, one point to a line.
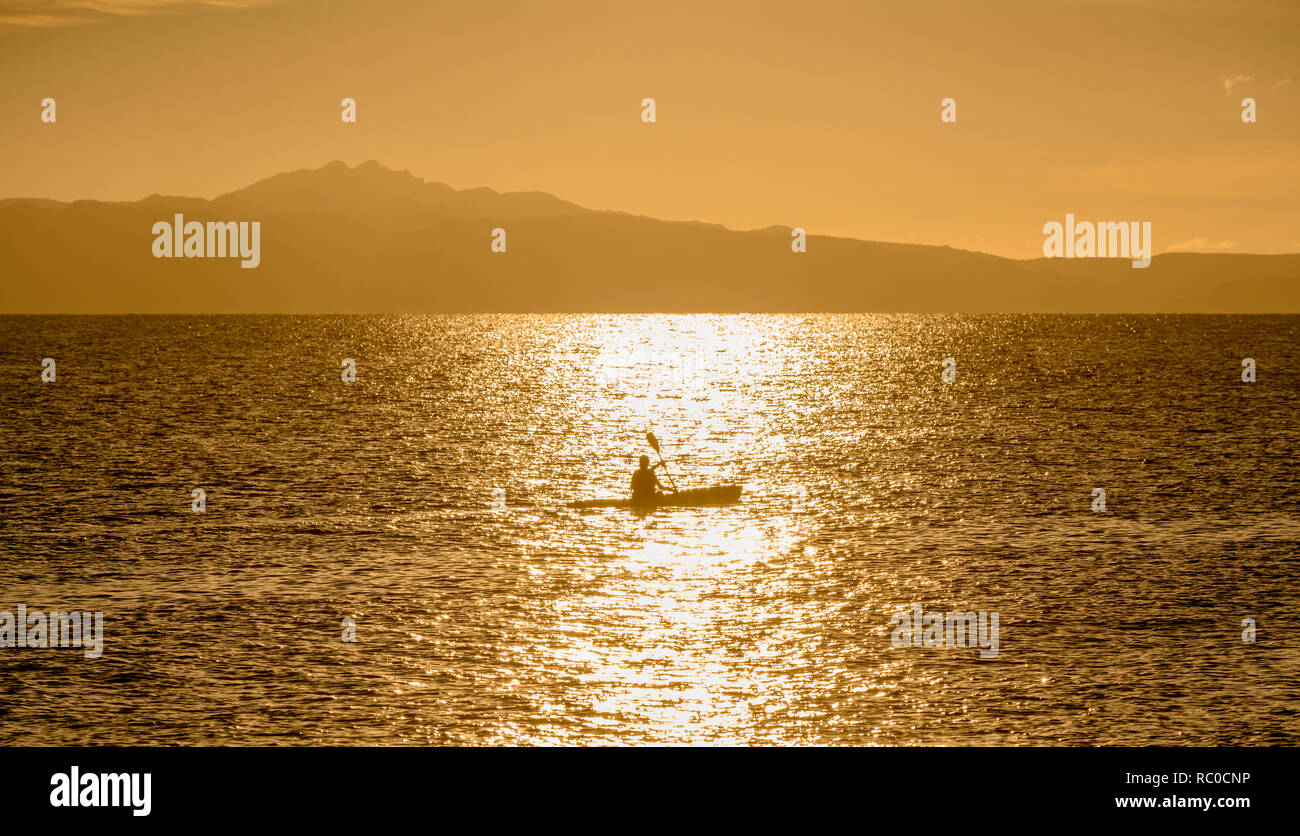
26 14
1200 245
1230 83
1286 82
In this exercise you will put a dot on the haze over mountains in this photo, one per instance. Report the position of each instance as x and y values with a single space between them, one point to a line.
369 239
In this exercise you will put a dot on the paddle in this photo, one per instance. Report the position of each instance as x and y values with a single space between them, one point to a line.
654 444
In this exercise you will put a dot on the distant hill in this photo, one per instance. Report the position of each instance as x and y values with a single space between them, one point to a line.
369 239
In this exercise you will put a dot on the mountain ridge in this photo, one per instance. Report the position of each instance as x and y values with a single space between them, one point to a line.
376 240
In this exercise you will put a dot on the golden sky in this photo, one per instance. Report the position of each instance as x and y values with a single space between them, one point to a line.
817 114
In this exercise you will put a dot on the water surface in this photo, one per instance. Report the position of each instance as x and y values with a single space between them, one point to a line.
870 485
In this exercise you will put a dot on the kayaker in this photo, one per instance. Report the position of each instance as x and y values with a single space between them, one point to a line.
645 484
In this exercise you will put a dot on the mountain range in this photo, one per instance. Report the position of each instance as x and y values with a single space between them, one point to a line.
369 239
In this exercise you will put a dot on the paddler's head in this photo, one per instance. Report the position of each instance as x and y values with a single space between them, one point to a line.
645 462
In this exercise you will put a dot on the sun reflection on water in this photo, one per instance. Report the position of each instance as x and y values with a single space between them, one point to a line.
662 635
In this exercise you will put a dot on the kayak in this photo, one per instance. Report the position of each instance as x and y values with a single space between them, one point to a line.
695 497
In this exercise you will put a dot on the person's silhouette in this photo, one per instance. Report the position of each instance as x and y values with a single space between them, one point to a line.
645 485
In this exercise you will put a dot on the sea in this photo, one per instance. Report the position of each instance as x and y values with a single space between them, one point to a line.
354 530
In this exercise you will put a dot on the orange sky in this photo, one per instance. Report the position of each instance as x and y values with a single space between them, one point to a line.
823 115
